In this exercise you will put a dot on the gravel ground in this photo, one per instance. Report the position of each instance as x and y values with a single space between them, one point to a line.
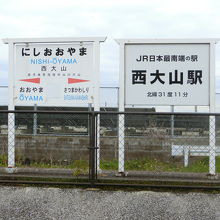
54 203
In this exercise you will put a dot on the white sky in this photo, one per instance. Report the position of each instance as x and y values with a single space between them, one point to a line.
111 18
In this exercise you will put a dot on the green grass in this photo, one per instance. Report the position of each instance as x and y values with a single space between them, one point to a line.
148 164
3 160
81 164
199 165
78 166
109 164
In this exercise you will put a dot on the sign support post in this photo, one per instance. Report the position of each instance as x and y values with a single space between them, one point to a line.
212 138
121 117
11 116
96 60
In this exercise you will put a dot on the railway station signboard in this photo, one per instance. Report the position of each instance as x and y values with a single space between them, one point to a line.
167 74
54 72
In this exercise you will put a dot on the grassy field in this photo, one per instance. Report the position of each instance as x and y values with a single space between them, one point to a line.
147 164
200 165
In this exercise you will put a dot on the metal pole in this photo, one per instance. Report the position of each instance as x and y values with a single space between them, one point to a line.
196 108
212 149
35 120
172 121
92 149
186 156
96 61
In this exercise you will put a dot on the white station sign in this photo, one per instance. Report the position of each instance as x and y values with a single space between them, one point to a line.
167 74
53 74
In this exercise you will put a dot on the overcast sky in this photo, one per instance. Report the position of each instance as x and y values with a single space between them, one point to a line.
111 18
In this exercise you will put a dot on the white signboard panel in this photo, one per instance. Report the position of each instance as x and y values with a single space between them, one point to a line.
53 74
167 74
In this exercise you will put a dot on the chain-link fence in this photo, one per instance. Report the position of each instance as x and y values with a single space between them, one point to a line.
160 144
146 144
4 140
45 139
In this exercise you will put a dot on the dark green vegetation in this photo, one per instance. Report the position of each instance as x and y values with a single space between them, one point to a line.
200 165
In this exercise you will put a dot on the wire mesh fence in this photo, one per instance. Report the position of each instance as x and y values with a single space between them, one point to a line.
111 142
160 143
4 140
45 140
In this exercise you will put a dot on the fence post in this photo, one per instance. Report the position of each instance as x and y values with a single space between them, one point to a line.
92 148
121 144
186 156
212 149
98 156
11 142
212 141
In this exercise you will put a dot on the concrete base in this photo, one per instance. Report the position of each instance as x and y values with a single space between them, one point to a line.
99 171
121 174
11 170
212 177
